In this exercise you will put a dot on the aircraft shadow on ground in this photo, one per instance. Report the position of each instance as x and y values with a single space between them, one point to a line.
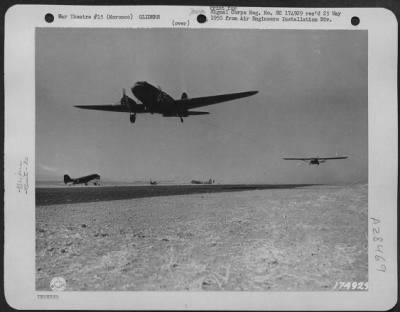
69 195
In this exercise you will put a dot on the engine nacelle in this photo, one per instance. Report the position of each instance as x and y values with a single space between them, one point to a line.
129 103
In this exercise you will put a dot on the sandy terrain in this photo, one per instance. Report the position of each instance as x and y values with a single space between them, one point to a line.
278 239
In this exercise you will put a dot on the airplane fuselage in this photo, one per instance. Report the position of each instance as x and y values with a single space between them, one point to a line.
153 99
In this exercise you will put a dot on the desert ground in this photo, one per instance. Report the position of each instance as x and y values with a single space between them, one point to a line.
294 239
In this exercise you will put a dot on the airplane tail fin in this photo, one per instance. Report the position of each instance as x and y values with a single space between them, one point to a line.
67 178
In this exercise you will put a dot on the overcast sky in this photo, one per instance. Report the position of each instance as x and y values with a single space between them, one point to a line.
312 101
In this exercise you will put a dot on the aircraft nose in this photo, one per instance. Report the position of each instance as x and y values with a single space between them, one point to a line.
138 84
138 89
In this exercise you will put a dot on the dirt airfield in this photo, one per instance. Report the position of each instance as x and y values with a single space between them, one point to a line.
299 239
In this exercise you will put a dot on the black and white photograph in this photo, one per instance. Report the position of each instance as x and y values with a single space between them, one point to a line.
201 159
197 158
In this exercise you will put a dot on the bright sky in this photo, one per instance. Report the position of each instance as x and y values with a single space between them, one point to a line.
312 101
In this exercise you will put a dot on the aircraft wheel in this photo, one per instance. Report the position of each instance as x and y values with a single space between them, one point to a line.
133 118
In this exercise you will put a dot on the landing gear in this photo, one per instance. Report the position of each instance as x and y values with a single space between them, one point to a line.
132 118
181 118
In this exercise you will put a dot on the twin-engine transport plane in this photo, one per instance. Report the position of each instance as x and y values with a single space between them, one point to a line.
316 160
154 100
95 178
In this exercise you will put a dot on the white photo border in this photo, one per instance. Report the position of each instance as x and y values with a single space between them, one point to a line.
19 247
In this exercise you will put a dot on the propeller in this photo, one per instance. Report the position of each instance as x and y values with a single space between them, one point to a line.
124 100
127 101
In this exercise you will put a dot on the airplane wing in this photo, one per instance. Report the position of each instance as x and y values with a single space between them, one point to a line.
108 108
291 158
113 108
209 100
337 157
319 158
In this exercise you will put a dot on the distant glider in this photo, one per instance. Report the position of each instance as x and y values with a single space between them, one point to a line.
156 101
315 160
95 178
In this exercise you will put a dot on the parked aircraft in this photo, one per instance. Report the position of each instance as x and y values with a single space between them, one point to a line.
95 178
202 182
316 160
156 101
152 182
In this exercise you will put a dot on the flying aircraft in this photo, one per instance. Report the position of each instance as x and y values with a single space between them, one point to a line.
156 101
83 180
316 160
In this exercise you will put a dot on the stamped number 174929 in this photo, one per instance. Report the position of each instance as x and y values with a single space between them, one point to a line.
351 286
